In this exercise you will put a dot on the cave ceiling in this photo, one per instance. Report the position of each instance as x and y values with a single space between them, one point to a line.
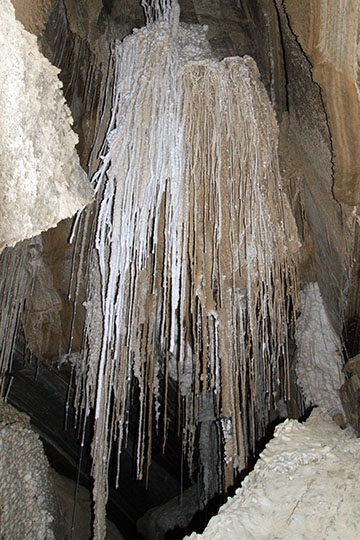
306 54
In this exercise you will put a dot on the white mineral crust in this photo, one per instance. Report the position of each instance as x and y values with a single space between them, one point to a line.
319 359
304 486
41 181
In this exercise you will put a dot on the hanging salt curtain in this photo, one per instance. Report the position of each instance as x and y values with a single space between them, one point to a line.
193 258
14 285
19 271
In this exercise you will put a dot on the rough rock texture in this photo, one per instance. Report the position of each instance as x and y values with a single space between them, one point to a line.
35 501
305 485
40 176
306 160
27 504
33 15
319 359
350 392
329 35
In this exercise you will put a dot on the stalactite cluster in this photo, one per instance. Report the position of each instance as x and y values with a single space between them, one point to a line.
192 265
14 286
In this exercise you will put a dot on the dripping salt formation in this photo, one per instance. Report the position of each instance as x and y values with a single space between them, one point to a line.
193 261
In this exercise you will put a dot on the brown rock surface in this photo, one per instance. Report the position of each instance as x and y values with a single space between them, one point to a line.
329 35
350 392
33 15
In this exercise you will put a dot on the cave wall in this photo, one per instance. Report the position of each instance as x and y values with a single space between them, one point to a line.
312 83
36 501
306 155
313 138
328 33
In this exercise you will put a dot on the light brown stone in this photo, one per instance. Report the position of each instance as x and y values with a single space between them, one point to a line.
33 14
329 35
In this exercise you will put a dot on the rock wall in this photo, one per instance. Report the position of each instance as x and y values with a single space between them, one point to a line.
35 501
329 35
306 158
33 15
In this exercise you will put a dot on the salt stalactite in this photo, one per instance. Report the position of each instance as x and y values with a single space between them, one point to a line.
319 360
14 285
193 260
19 268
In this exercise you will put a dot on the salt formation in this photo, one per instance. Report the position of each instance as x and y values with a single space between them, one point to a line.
14 286
22 274
27 504
305 485
319 359
194 244
40 176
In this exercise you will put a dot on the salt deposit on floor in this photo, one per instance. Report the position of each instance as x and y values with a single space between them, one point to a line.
304 485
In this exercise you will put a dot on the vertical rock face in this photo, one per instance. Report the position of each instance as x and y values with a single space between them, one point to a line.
306 156
329 35
40 176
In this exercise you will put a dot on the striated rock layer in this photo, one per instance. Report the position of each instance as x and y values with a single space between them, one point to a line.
329 35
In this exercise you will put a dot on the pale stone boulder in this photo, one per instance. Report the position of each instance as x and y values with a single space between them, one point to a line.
28 508
41 181
304 485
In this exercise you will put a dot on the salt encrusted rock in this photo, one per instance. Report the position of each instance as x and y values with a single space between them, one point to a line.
189 137
319 359
27 506
305 485
41 181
